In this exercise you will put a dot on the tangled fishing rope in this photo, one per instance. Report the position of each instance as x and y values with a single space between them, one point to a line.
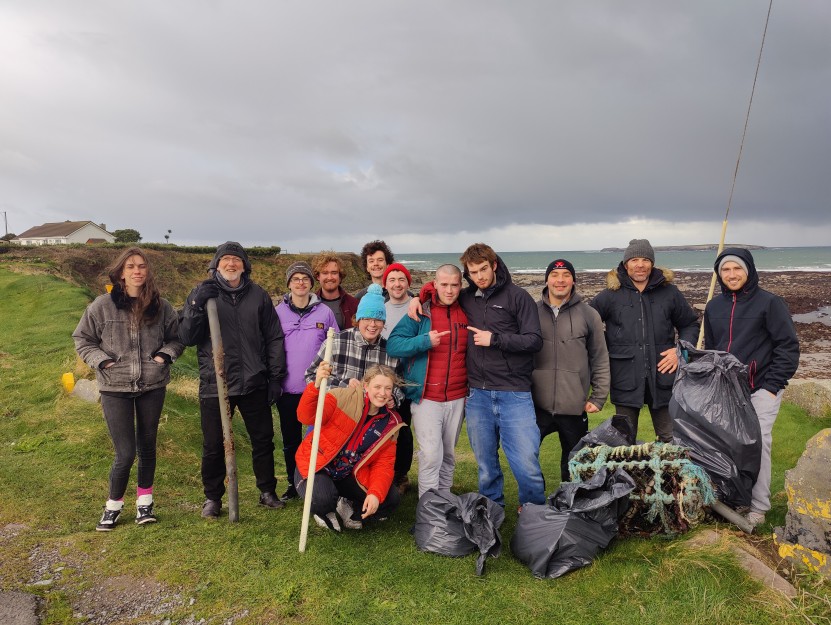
671 491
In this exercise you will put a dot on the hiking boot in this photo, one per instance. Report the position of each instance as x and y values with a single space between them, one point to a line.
330 521
271 500
291 493
108 519
402 482
144 514
345 511
755 518
211 508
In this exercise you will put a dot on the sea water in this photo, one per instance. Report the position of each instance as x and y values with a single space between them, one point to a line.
768 259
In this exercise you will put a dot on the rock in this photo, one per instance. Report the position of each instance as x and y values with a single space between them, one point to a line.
87 390
813 397
18 608
806 538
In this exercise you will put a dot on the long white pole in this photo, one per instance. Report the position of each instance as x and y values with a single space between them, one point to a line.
310 481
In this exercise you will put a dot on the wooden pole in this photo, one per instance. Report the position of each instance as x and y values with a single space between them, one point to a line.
224 411
310 481
712 283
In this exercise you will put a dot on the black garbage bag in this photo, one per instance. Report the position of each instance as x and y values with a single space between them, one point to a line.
458 525
714 418
579 520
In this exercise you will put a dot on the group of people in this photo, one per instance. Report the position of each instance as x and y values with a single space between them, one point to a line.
485 354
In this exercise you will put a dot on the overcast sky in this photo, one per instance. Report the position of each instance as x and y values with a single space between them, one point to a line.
431 124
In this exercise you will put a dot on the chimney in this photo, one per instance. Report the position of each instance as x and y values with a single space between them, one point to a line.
103 226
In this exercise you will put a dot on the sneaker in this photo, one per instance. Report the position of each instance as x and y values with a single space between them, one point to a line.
755 518
271 500
291 493
211 508
331 521
144 514
345 511
108 519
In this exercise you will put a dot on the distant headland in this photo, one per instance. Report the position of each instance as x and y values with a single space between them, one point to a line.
690 248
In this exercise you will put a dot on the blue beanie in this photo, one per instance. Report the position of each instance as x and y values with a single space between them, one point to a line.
372 305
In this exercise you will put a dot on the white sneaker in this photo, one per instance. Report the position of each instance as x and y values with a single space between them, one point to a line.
331 521
345 511
755 518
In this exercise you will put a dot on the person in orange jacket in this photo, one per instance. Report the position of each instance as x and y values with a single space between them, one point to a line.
356 453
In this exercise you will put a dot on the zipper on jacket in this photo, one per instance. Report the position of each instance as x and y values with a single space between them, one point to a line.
730 325
449 353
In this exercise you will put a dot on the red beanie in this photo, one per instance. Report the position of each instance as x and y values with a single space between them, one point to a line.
397 267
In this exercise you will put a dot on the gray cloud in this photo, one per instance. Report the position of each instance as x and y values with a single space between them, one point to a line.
330 123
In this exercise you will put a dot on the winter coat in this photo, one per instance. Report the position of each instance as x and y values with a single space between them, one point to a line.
304 331
251 336
108 330
343 409
639 326
755 326
510 313
348 306
436 373
573 358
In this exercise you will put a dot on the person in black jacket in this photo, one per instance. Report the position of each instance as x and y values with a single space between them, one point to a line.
755 326
503 335
642 311
255 363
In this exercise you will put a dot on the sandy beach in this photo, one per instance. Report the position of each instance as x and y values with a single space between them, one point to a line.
804 292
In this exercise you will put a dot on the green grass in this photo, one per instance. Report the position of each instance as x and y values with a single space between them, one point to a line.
54 460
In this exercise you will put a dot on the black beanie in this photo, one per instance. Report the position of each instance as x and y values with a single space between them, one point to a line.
561 263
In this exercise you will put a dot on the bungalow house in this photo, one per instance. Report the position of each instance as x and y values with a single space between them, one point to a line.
65 232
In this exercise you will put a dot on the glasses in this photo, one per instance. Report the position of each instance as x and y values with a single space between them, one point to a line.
303 280
374 322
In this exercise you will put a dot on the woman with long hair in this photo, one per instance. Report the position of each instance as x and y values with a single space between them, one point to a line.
129 338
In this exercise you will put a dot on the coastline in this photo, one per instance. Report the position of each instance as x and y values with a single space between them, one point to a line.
803 291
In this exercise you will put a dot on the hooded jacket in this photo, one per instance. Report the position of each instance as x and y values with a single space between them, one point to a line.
343 409
304 331
639 326
436 373
108 330
755 326
573 358
510 313
251 333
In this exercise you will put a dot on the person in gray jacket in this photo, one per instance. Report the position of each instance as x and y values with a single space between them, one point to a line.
571 371
129 338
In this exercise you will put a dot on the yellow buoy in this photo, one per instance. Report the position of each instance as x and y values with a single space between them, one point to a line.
68 381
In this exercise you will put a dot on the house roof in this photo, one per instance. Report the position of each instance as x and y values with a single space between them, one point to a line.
60 229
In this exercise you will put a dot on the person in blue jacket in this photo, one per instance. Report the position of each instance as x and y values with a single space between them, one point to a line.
756 327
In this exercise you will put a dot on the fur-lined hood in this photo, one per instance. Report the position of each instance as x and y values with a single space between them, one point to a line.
616 277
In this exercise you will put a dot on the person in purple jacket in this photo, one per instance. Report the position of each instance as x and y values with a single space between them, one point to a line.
305 321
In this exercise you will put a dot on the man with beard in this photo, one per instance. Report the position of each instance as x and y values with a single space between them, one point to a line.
255 364
643 311
328 271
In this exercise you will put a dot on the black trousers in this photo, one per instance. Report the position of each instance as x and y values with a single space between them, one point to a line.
291 429
256 413
571 429
327 491
661 419
404 445
133 422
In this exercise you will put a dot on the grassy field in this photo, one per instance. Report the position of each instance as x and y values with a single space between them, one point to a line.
54 460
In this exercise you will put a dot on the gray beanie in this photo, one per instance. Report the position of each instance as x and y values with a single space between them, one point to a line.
639 248
726 259
299 267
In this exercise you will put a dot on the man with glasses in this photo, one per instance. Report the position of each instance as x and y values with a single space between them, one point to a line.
305 321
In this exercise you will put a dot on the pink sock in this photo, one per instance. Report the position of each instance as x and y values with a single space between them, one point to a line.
143 491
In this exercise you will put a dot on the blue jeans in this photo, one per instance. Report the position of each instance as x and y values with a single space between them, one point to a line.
507 417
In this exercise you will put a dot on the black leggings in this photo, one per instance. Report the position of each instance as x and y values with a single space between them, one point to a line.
327 491
133 422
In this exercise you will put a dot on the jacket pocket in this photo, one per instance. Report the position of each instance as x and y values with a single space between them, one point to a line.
154 373
622 368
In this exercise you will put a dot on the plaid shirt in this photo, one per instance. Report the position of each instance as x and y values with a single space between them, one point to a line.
351 356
